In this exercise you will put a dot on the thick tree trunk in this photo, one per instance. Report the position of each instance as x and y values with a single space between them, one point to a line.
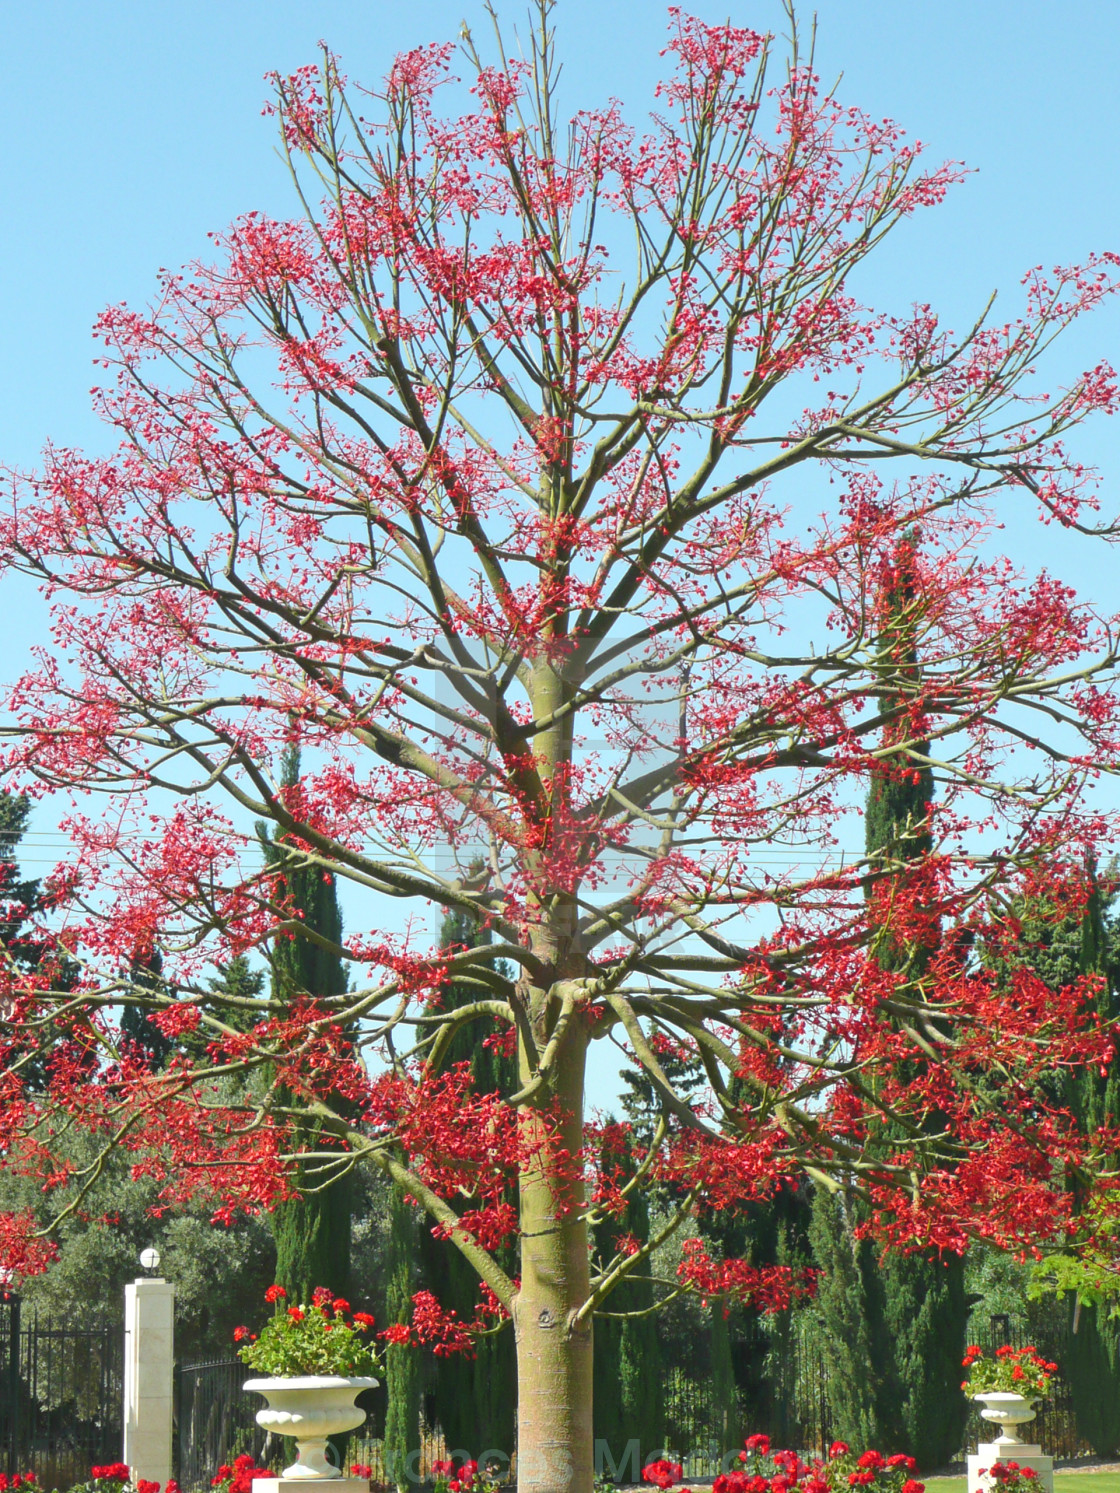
554 1358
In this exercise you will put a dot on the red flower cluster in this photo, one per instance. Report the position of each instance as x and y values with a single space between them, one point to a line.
116 1472
464 1478
1008 1476
785 1472
239 1477
662 1474
11 1481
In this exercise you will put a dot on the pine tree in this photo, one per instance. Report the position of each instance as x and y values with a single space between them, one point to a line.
403 1367
475 1400
146 979
19 899
312 1232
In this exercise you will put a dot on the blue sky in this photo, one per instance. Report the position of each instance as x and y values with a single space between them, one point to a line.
132 128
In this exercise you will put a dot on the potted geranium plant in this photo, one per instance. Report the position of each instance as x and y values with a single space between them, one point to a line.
1007 1385
316 1358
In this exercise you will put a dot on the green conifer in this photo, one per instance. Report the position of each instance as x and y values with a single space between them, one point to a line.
905 1316
403 1367
474 1399
628 1395
1061 950
146 979
312 1232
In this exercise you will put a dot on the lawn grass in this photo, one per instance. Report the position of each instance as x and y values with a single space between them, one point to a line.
1064 1482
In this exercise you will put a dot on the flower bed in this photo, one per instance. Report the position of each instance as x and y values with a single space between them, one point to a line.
764 1470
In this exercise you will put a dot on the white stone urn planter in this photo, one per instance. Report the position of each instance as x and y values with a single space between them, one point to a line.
310 1408
1009 1412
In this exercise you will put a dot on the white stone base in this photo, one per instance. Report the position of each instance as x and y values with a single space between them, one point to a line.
1026 1453
308 1484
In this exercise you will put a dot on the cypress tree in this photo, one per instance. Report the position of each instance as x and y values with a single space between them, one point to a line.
725 1400
912 1310
628 1395
403 1368
1092 1353
774 1232
474 1399
312 1232
1060 947
1091 1363
863 1391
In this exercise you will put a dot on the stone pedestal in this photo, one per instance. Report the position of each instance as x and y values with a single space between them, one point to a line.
1026 1453
310 1484
149 1358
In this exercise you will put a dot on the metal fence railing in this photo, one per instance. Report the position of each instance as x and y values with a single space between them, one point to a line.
61 1408
61 1396
215 1422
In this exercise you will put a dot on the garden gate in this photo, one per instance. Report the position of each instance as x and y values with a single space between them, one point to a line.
61 1405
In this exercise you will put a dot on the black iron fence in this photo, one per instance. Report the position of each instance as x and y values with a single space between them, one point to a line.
1055 1424
216 1418
215 1421
61 1409
705 1435
800 1367
61 1398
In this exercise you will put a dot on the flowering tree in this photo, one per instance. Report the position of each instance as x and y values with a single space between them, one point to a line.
469 482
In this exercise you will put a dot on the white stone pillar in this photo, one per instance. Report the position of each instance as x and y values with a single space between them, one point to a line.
1027 1454
149 1358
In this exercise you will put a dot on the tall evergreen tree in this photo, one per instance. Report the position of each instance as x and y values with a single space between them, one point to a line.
912 1310
403 1367
1060 950
20 898
1060 946
628 1396
774 1232
474 1400
850 1303
312 1232
146 978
